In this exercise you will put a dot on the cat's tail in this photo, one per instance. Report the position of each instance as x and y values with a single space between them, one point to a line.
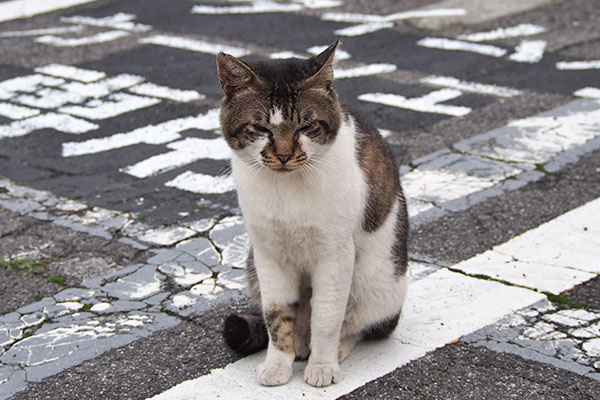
246 333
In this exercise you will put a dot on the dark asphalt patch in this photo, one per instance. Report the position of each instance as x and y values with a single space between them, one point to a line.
587 294
55 251
461 371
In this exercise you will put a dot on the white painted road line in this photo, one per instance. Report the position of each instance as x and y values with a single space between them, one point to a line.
367 70
363 29
366 18
554 257
44 31
578 65
529 51
164 132
184 152
201 183
263 6
504 33
472 87
115 104
200 46
101 37
70 72
426 103
17 112
537 139
589 92
477 11
119 21
163 92
60 122
450 44
17 9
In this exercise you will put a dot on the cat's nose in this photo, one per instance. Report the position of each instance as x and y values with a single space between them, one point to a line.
284 157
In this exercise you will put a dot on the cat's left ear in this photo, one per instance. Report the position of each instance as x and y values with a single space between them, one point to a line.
233 73
323 65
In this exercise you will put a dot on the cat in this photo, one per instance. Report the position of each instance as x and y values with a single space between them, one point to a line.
324 210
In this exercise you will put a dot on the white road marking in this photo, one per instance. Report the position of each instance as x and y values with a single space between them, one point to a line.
13 111
184 152
164 132
366 18
454 181
44 31
59 122
477 12
473 87
529 51
589 92
258 6
554 257
70 72
101 37
17 9
200 46
363 29
164 92
280 55
201 183
370 69
450 44
320 3
426 103
115 104
104 87
374 23
119 21
28 84
339 53
504 33
537 139
578 65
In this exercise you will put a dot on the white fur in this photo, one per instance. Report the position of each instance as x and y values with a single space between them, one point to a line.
276 116
308 223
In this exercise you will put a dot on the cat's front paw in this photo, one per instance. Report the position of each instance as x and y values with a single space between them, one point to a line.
320 375
274 373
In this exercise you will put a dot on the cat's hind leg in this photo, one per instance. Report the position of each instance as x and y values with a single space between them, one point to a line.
346 345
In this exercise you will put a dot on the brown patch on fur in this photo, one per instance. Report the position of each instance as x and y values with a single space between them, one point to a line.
400 247
281 322
380 170
252 277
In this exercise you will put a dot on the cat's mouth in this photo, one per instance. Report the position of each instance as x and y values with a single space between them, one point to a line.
283 169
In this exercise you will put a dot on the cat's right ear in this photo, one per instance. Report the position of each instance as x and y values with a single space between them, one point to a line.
233 73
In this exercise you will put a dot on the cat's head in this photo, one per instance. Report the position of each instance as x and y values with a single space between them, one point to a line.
279 114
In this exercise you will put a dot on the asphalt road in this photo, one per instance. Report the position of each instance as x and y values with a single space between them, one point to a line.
120 236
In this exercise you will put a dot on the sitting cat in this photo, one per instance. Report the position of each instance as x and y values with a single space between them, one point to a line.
322 203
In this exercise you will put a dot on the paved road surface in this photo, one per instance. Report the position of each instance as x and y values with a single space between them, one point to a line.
121 240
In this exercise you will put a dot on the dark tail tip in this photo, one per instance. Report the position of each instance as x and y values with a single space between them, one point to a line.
245 333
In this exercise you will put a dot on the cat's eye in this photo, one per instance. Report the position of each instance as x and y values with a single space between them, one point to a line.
261 129
309 129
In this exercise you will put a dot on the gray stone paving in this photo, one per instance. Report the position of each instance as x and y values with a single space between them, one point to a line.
563 337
